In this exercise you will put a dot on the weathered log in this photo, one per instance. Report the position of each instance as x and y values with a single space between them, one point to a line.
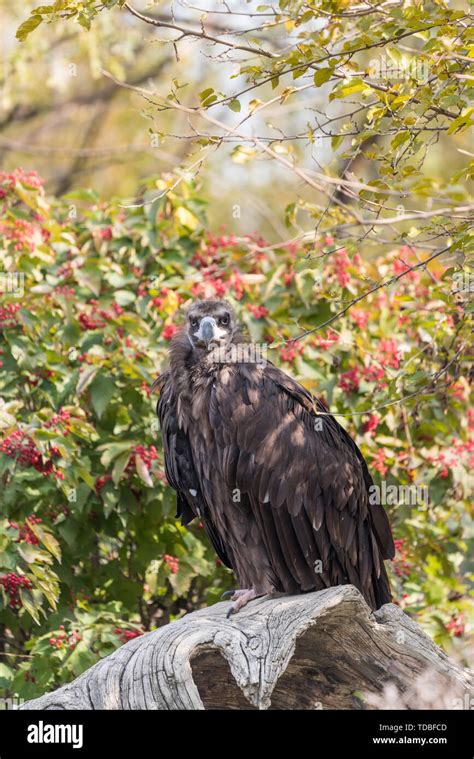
318 650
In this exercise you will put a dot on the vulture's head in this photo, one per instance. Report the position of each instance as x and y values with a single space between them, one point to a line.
210 324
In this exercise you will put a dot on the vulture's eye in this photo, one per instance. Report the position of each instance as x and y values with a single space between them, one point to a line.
194 321
224 320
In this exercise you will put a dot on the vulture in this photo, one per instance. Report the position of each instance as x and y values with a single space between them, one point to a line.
279 486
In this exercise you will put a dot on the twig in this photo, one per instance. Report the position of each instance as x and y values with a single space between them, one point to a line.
194 33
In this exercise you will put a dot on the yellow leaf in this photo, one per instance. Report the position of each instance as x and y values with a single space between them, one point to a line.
186 218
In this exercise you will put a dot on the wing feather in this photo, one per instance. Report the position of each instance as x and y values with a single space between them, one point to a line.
307 485
180 469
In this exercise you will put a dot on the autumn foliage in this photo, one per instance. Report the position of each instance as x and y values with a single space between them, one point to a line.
90 552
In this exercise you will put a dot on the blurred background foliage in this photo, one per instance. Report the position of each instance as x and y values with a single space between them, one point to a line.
60 112
330 202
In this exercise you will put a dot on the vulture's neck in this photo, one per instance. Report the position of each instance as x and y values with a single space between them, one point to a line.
187 363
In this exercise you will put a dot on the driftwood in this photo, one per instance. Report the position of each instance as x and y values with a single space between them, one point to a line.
316 651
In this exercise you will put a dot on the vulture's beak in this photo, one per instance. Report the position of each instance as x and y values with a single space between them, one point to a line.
209 332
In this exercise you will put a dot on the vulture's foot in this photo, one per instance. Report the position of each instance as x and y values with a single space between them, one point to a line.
240 598
228 593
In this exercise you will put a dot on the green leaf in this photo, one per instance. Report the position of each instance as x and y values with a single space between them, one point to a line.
322 75
205 93
85 379
27 27
124 297
399 139
462 122
49 541
27 601
110 501
102 390
336 140
6 675
234 105
120 466
345 89
29 553
112 450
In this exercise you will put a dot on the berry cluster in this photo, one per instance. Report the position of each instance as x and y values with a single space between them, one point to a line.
389 353
126 635
101 481
373 373
212 284
169 331
360 317
22 448
145 387
64 291
456 626
401 564
349 381
105 233
98 317
84 358
459 389
259 312
12 584
158 301
148 456
23 233
288 277
55 512
459 453
64 640
65 271
290 351
378 462
400 266
28 178
172 562
371 424
8 316
341 262
237 284
59 420
26 534
326 341
88 321
212 249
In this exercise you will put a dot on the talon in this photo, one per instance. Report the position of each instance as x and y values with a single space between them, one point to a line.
241 598
227 593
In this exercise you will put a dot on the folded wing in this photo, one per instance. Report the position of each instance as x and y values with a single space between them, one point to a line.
305 479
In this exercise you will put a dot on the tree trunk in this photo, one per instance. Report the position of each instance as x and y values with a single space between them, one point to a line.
324 650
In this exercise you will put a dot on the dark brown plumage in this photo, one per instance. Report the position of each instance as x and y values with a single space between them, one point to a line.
282 492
